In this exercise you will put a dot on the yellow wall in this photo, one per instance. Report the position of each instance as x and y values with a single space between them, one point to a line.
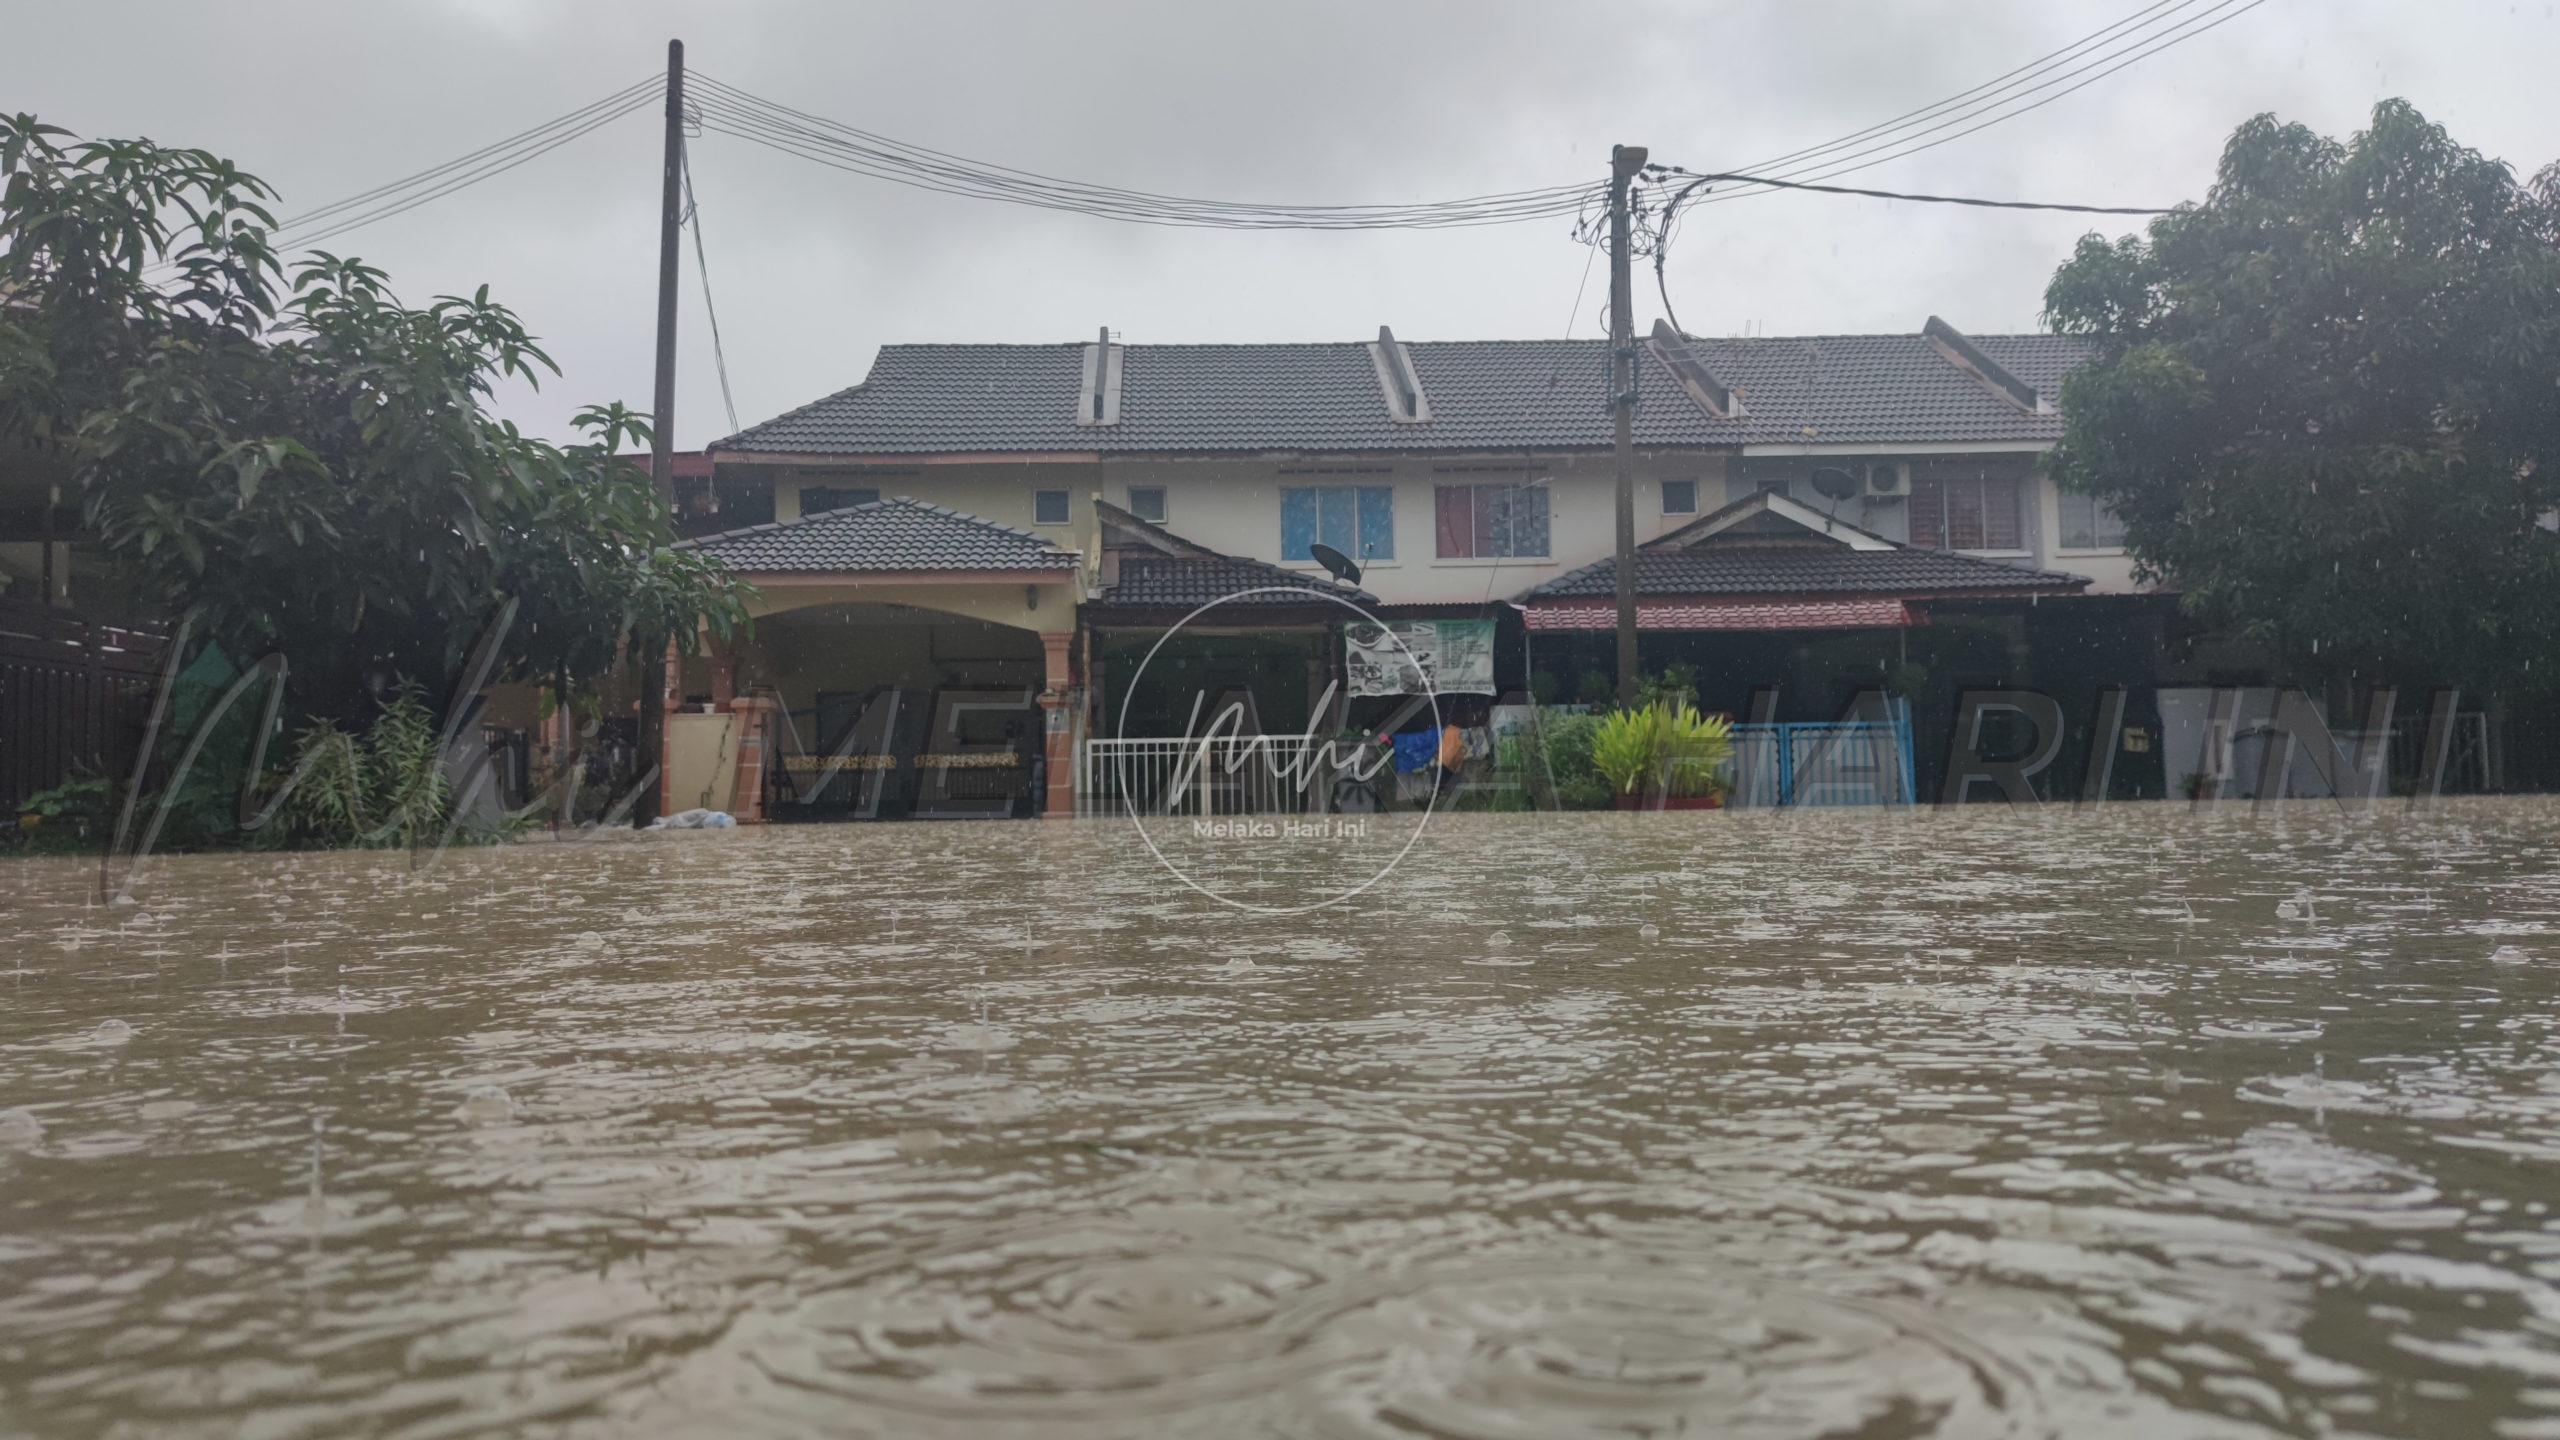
1233 506
1040 603
702 761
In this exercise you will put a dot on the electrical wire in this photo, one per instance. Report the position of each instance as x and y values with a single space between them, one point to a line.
702 267
780 122
2122 59
1906 195
2030 70
404 194
742 115
465 181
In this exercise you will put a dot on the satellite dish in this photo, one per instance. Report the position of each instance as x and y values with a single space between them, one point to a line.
1337 562
1836 484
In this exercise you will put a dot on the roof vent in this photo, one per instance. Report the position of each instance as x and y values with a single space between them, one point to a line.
1968 357
1713 396
1098 403
1406 403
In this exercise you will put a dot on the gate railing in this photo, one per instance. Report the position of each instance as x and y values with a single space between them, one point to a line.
1222 775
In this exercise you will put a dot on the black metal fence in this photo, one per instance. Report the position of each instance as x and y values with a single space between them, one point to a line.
74 697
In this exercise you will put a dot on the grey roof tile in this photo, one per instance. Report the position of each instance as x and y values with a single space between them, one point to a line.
884 535
1713 569
1490 394
1190 581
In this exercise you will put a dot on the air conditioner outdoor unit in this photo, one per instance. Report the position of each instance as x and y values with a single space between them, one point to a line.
1887 481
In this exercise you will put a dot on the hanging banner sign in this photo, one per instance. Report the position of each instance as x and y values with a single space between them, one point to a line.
1455 655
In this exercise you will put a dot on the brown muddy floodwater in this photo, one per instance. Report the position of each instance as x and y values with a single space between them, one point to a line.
2143 1123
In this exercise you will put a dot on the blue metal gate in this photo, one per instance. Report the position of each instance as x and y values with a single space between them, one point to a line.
1828 762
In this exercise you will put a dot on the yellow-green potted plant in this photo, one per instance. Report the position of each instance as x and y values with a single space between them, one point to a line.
1664 757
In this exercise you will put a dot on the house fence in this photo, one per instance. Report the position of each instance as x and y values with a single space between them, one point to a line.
1220 775
74 697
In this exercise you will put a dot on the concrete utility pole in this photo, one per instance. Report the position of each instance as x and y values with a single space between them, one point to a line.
1624 162
662 432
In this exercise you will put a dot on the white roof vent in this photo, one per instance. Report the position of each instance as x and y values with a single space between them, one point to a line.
1098 403
1397 381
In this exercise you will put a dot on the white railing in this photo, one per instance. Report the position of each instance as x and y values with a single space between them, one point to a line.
1221 775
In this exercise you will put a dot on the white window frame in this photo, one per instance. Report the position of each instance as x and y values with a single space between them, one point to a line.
2097 508
1162 501
1691 508
1066 507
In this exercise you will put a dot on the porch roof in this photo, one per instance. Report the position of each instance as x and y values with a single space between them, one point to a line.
899 535
1864 613
1767 546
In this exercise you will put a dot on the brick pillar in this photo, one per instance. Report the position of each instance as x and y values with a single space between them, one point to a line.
724 673
746 800
1060 801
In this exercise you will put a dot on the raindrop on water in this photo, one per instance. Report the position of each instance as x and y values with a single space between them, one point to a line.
1649 931
1498 940
2510 955
112 1032
18 1128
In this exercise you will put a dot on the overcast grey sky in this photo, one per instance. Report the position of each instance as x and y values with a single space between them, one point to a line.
1300 102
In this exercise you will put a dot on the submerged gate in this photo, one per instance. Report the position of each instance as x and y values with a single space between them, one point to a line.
1827 762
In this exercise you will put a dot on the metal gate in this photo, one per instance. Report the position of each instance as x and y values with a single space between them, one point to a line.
1827 762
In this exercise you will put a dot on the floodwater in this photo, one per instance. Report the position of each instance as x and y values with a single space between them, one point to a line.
2146 1122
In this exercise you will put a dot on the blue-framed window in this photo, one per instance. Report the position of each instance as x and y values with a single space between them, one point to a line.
1358 520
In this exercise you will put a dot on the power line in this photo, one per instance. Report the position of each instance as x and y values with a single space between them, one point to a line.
702 266
407 193
2122 59
737 113
642 86
2030 70
1926 199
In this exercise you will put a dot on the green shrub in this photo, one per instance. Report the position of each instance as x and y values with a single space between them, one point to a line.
386 788
1662 750
1629 745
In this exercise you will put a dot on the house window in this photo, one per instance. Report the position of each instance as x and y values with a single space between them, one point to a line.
2089 525
1966 512
1679 497
1048 507
1359 521
814 498
1769 487
1147 503
1490 521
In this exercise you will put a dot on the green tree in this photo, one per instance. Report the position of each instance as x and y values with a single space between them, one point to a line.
302 460
2327 403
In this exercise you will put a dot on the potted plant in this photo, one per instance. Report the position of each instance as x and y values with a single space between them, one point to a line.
1663 757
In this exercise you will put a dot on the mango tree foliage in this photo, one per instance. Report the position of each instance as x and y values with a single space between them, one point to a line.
2327 403
302 459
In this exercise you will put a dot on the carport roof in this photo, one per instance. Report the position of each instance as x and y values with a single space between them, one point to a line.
893 535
